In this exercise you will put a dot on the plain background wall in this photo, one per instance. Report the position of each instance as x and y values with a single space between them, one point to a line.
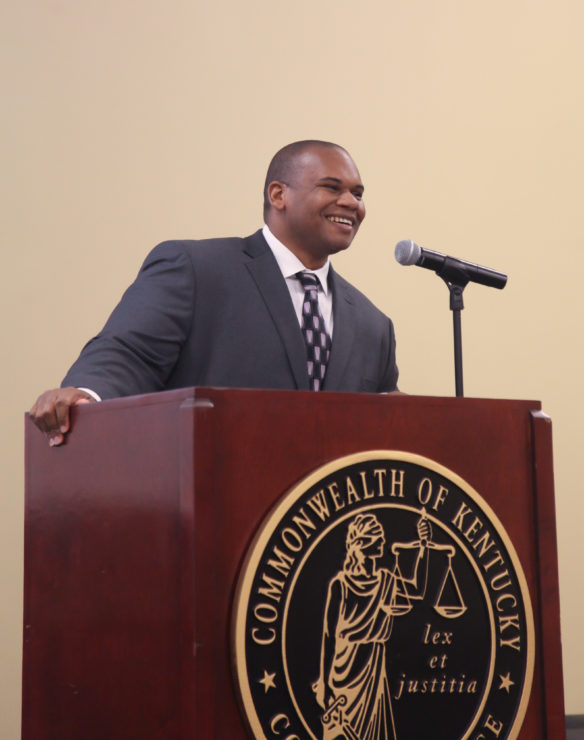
125 122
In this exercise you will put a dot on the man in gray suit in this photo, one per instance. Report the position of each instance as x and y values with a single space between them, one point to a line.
228 312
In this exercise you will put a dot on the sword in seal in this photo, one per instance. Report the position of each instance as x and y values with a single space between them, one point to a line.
345 726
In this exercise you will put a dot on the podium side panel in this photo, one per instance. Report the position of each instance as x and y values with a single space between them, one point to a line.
102 654
551 646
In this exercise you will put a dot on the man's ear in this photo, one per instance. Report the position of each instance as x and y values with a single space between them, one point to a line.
277 195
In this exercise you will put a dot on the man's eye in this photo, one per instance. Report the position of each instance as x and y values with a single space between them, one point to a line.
358 195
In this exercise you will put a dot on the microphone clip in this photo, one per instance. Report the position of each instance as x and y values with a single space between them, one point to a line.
456 280
452 272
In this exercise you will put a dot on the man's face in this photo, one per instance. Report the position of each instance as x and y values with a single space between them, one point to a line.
321 208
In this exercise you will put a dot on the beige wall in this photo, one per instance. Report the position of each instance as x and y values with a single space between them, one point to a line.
129 121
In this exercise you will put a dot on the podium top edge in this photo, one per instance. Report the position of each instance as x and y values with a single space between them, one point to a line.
195 393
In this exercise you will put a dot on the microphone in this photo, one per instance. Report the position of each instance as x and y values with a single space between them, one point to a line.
407 252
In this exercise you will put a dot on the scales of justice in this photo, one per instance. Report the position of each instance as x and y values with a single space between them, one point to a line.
449 602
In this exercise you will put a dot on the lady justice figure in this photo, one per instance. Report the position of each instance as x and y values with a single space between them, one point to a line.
362 601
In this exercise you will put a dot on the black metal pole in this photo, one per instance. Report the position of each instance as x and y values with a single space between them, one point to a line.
457 352
456 306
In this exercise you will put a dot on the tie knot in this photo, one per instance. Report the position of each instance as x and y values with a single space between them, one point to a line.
308 279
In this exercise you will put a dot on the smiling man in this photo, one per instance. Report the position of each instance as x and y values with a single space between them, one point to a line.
266 311
313 200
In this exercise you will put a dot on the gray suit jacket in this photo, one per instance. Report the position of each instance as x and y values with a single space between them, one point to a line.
218 313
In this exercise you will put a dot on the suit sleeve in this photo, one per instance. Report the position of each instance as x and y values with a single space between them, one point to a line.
390 374
138 347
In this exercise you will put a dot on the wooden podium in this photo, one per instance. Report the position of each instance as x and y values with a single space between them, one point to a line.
136 529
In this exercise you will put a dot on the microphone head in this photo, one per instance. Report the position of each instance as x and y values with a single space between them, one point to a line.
407 252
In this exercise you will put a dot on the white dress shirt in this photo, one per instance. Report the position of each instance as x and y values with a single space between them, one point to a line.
289 265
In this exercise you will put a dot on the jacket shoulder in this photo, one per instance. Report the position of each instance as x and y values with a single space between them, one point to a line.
209 246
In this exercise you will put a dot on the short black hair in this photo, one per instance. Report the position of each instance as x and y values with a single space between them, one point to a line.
283 163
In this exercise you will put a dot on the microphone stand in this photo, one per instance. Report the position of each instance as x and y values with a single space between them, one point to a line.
456 280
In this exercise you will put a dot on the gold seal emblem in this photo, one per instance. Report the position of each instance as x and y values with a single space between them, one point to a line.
382 599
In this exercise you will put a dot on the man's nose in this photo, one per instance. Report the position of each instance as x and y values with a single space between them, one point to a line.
348 200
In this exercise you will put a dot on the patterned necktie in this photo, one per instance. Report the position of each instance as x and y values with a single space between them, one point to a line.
318 342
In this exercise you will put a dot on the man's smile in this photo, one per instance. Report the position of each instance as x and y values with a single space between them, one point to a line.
345 220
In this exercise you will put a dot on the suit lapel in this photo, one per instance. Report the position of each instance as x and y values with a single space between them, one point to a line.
271 284
343 333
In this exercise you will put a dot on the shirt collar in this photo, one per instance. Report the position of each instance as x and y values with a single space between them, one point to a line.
289 263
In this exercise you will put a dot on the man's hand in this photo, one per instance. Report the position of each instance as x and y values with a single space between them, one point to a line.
50 412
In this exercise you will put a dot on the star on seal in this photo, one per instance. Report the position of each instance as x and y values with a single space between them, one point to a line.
506 682
268 681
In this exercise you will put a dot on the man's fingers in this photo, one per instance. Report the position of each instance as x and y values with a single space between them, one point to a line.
56 439
43 411
50 412
62 415
62 404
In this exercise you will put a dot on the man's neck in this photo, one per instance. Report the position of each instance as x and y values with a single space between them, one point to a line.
309 261
293 260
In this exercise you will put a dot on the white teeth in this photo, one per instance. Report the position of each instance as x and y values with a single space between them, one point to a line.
340 220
